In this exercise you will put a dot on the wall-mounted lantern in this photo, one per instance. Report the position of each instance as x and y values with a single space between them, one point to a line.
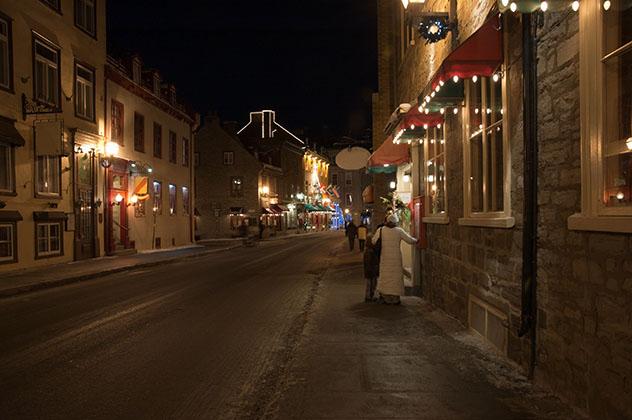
111 149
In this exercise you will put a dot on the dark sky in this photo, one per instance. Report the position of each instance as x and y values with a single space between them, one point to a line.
313 61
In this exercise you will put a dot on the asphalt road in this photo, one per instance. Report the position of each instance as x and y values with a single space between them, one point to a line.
194 339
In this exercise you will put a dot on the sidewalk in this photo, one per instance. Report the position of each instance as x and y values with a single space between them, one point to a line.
29 280
365 360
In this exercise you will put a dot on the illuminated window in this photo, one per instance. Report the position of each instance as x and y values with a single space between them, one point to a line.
229 158
117 123
186 204
434 149
49 239
173 191
157 197
48 173
236 186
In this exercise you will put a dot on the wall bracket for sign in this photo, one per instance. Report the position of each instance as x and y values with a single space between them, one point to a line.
31 107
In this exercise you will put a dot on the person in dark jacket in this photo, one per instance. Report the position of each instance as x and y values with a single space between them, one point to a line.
371 270
352 233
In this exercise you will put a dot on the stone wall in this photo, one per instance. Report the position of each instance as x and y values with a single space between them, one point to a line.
585 279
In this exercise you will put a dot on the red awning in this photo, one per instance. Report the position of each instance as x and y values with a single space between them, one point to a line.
390 153
420 119
479 55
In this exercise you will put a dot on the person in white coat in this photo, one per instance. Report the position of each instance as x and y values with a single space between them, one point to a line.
390 283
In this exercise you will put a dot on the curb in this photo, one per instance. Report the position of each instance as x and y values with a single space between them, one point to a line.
29 288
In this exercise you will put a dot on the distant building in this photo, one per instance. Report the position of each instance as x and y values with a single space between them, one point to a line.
227 182
350 185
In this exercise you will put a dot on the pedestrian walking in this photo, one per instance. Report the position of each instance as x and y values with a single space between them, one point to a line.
261 229
352 233
362 231
390 283
371 271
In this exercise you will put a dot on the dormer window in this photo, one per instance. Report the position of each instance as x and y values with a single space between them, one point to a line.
136 70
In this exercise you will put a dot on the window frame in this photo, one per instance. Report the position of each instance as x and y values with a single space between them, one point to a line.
237 192
157 152
186 200
157 198
94 17
92 70
231 155
49 254
594 215
173 205
492 219
39 39
139 143
51 6
40 194
173 147
11 171
118 140
14 242
9 22
186 151
428 217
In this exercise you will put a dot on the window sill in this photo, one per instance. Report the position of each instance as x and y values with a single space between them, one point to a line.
490 222
616 224
436 220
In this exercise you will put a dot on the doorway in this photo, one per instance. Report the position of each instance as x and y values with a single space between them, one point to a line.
85 214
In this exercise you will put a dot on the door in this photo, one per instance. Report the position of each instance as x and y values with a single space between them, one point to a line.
84 206
117 226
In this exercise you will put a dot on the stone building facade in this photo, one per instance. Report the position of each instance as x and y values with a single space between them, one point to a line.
472 268
51 131
227 182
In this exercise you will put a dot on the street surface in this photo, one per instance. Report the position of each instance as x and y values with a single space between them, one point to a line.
275 331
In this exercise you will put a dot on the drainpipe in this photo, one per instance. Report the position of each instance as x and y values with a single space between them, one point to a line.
530 176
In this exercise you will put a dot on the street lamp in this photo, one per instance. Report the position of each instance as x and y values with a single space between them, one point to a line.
393 185
265 190
111 149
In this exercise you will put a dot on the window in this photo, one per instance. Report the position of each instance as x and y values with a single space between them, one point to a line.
334 179
117 123
186 204
6 169
606 133
139 132
53 4
486 154
173 147
7 243
48 171
157 140
229 158
348 179
6 55
435 176
185 152
86 16
46 73
48 239
236 186
157 197
84 92
172 199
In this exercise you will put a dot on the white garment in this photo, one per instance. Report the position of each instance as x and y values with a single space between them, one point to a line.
391 279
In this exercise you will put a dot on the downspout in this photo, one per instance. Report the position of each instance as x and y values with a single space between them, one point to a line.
530 176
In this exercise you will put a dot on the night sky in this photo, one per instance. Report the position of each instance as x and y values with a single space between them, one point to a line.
314 62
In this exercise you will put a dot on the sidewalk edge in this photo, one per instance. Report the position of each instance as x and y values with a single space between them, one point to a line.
29 288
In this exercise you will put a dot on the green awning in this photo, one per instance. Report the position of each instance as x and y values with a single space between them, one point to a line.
309 207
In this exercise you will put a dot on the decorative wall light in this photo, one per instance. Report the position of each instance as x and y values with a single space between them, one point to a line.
628 143
111 149
118 199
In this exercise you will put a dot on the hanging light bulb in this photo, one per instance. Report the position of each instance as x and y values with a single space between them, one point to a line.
606 5
425 126
476 111
455 79
544 6
496 77
442 110
505 2
513 7
412 126
441 83
438 88
432 95
575 5
428 98
439 126
421 108
474 79
427 111
456 111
